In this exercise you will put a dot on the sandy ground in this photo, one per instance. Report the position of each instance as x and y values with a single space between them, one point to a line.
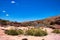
50 36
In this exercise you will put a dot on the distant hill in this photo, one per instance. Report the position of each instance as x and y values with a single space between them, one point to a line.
47 21
51 21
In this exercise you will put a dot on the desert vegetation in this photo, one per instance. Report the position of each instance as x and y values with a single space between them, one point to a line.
32 32
14 32
36 32
57 31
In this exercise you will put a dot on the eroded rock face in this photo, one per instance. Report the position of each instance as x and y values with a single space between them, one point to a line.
57 22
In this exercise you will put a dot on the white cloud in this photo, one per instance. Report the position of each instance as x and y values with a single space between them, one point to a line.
7 14
13 2
4 11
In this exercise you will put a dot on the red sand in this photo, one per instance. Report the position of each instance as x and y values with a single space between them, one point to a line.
50 36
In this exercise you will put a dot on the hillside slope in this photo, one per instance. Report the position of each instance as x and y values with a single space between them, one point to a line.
45 22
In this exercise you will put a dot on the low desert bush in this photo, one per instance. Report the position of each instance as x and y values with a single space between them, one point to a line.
56 31
20 31
36 32
40 32
13 32
30 32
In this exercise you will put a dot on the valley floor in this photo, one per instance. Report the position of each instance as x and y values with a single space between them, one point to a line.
20 37
50 36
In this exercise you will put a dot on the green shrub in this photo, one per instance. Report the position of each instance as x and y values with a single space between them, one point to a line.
36 32
56 31
13 32
30 32
20 31
40 32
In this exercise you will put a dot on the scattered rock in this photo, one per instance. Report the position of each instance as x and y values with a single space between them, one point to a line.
24 39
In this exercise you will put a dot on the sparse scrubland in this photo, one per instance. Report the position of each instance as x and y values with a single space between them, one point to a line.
47 29
32 32
57 31
13 32
36 32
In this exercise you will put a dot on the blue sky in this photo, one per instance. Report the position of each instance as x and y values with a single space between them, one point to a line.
28 10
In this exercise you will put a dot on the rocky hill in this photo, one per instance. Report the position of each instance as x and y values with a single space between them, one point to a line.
37 23
48 21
